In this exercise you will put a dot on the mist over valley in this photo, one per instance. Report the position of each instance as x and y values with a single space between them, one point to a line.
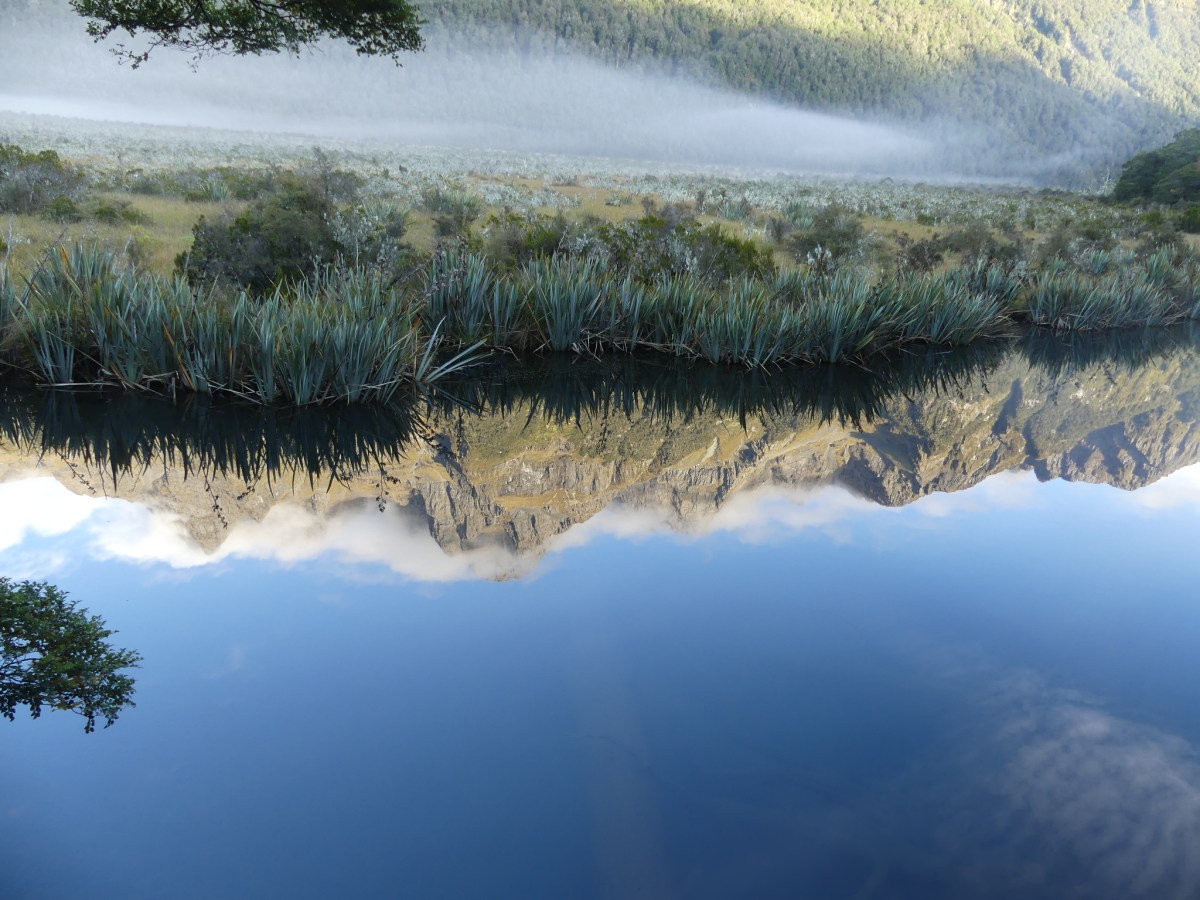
517 88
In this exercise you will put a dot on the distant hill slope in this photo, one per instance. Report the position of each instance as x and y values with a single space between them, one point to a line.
1057 76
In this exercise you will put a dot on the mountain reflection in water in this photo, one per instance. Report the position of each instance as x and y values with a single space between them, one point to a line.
497 471
826 669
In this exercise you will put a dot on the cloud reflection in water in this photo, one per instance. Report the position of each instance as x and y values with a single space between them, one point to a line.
355 532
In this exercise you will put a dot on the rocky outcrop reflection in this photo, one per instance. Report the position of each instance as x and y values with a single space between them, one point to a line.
513 461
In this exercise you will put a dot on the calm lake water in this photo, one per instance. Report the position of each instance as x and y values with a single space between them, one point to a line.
621 631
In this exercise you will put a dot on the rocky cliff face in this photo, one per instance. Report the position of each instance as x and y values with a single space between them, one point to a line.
518 480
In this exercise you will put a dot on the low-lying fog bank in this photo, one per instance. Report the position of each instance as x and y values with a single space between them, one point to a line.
454 97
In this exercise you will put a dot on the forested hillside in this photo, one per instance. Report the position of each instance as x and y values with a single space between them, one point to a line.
1059 76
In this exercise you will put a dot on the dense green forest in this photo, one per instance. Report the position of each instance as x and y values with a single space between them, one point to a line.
1058 76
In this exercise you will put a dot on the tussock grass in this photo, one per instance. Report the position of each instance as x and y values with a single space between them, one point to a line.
1131 297
345 336
795 318
351 335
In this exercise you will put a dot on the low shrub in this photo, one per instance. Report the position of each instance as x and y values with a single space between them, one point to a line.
115 212
371 235
285 236
512 240
32 183
835 230
665 245
919 256
454 210
1189 222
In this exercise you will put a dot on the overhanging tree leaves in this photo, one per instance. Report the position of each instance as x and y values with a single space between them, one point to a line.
202 27
53 654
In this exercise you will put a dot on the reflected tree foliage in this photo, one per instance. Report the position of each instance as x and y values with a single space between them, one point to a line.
55 655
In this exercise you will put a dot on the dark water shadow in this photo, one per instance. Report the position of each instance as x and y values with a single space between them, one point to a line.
1061 354
564 390
125 434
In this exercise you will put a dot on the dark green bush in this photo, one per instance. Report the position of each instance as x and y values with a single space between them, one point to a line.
284 236
63 209
1190 220
835 230
970 239
662 245
338 185
115 212
454 211
919 256
512 240
371 236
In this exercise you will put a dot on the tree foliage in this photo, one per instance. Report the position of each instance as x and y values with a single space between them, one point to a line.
1170 174
201 27
54 654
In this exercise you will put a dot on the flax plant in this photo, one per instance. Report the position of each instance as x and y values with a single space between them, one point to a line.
564 301
351 335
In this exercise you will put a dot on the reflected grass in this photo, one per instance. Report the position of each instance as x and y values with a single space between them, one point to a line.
125 435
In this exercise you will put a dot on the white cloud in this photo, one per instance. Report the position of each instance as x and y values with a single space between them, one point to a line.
1035 785
39 506
1179 489
1086 784
1004 490
135 533
358 533
767 515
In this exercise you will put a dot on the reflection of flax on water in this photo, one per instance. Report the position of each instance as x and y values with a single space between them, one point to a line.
539 446
385 479
381 494
128 435
566 391
216 504
77 475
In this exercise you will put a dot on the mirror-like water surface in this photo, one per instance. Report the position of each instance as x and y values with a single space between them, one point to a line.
628 631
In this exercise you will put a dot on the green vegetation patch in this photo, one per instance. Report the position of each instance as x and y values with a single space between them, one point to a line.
42 182
1169 175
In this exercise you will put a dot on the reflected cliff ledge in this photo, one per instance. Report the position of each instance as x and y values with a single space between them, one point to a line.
507 464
